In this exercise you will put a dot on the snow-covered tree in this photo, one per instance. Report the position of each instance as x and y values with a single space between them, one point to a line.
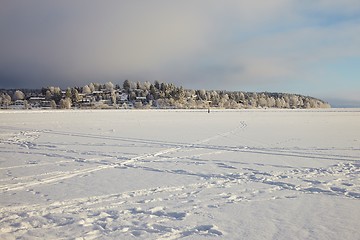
18 95
293 101
300 102
139 85
190 93
113 97
157 84
75 97
48 95
109 86
92 87
223 103
26 104
97 86
53 104
271 102
262 102
57 90
86 90
133 85
126 85
279 102
241 97
147 85
51 89
190 103
307 103
202 94
65 103
5 99
138 105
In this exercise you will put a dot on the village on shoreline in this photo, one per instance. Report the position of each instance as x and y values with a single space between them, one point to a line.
131 95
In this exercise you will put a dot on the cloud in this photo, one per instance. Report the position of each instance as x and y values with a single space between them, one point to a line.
230 44
94 39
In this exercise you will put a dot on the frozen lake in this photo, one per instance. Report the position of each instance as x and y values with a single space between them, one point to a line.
117 174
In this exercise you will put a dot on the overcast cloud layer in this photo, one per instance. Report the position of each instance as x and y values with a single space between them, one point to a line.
309 47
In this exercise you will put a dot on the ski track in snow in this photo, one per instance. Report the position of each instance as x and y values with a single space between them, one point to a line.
157 212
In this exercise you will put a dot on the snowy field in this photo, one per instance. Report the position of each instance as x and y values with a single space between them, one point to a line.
117 174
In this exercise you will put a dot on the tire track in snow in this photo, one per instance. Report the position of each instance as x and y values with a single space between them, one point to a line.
197 144
242 125
71 174
50 180
35 165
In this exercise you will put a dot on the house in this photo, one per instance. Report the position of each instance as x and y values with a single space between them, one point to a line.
38 102
95 93
123 98
140 99
18 104
86 101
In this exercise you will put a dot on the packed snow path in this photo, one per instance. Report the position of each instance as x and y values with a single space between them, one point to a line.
252 174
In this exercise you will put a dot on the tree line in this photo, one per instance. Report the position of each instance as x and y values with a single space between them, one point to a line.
157 94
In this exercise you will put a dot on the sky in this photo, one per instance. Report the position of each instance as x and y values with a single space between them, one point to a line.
308 47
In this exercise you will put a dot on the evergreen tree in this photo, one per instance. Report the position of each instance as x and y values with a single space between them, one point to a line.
126 85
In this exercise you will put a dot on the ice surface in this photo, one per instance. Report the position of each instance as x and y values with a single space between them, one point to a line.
249 174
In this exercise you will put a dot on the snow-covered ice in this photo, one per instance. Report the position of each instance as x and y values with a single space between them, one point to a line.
117 174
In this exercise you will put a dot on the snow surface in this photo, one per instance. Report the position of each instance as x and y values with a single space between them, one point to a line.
117 174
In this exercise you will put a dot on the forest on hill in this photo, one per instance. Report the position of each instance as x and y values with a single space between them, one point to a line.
144 95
